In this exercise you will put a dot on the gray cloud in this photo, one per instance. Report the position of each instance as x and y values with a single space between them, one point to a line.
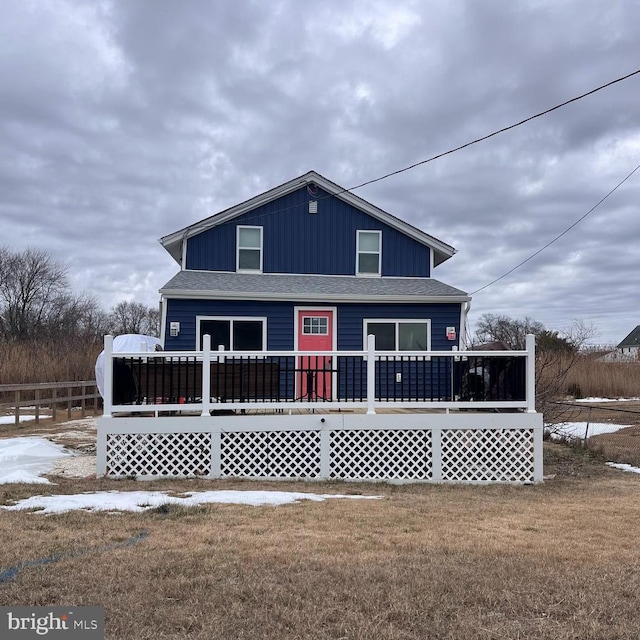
121 122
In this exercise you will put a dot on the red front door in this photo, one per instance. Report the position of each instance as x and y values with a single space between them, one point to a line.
315 334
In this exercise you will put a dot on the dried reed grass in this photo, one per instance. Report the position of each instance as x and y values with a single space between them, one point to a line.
589 377
29 362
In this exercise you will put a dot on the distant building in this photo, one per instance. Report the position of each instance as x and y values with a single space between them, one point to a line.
630 345
626 350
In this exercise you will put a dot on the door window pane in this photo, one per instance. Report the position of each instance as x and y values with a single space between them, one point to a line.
315 326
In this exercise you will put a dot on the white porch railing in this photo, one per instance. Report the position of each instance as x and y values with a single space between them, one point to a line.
178 381
158 438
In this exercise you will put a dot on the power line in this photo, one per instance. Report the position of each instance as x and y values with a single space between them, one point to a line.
539 251
462 146
495 133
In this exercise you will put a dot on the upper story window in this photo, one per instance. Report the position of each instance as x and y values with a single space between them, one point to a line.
368 253
249 253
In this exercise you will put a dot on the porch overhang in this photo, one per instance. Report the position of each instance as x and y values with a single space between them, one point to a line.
299 297
309 287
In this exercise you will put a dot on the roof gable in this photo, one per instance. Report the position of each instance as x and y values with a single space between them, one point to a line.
632 340
174 241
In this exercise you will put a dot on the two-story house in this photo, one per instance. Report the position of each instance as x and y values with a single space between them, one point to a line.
312 267
290 284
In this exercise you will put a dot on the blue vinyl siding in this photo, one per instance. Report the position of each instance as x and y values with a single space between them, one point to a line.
349 325
435 373
281 322
296 241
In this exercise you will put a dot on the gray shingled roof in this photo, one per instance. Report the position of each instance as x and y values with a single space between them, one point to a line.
302 287
632 340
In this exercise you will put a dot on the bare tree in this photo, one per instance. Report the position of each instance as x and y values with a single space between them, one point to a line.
31 287
134 317
557 352
76 316
513 332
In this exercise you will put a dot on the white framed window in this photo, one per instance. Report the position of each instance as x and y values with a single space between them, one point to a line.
368 253
317 326
399 335
233 333
249 248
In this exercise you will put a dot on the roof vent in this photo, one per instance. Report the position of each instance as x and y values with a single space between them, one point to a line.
313 206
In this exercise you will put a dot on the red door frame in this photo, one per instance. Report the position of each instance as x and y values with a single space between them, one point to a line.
312 383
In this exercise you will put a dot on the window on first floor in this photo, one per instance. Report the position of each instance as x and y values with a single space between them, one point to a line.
399 335
235 334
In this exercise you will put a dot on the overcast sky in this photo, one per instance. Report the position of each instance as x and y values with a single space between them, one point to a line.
122 121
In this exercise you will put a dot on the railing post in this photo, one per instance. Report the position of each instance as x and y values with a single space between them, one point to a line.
206 375
436 454
538 454
371 374
452 395
215 471
107 365
531 373
101 451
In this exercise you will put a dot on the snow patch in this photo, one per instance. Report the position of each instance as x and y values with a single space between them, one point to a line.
12 419
623 467
572 430
143 500
26 459
606 399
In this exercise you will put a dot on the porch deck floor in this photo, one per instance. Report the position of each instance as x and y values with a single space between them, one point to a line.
273 412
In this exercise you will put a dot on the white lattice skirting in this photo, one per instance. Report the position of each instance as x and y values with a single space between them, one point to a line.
475 448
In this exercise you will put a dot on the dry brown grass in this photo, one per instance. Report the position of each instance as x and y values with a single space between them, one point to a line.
557 561
29 362
621 446
591 378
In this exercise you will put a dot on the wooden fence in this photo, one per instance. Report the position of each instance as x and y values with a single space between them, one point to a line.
46 399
